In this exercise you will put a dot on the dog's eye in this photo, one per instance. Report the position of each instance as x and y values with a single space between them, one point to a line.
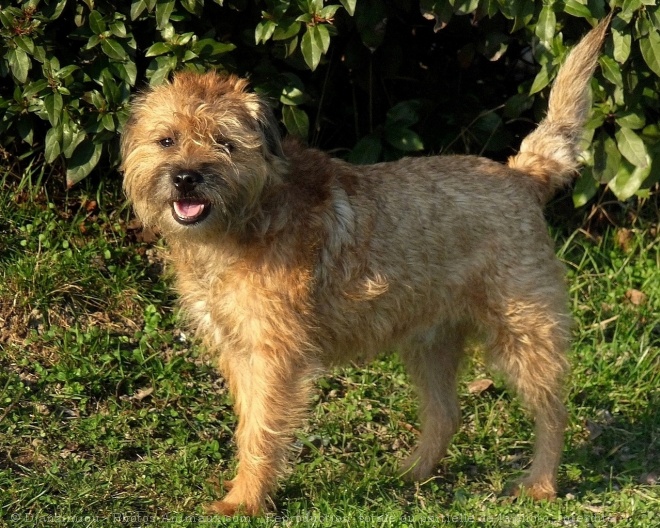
166 142
225 145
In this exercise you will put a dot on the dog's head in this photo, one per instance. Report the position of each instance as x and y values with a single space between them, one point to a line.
198 153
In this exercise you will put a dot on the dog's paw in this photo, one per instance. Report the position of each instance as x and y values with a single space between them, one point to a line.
230 509
220 486
414 469
535 489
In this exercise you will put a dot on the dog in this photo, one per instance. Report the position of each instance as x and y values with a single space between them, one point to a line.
288 261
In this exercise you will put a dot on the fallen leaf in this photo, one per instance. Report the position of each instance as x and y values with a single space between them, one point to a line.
480 385
650 478
636 297
595 430
623 238
143 393
147 235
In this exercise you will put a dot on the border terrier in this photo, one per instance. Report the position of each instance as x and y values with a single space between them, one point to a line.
288 261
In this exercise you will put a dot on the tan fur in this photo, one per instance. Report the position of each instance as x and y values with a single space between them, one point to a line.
305 261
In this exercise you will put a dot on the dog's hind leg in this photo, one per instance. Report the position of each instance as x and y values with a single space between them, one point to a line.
432 359
529 347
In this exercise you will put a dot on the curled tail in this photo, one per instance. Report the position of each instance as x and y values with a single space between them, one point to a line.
549 154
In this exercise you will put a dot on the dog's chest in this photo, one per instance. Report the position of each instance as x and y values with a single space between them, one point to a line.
242 310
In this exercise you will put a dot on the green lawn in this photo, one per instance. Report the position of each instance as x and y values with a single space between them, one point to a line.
110 416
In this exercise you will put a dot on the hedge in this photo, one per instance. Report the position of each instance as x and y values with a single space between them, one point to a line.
371 80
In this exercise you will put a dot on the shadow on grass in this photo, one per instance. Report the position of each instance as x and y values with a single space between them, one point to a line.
621 451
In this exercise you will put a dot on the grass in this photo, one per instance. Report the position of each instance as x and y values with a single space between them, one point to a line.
110 416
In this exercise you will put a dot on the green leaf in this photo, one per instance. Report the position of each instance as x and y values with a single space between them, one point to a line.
194 7
494 45
108 122
546 25
72 136
96 22
286 32
65 72
405 113
54 9
516 105
182 40
349 5
159 69
20 64
440 11
164 9
631 120
607 158
403 139
159 48
367 151
111 89
306 18
54 103
655 17
650 47
629 179
296 121
322 37
53 146
118 29
93 41
126 71
137 8
465 7
524 12
542 79
189 55
632 147
83 160
264 31
630 6
25 43
6 20
34 88
212 48
611 70
622 40
310 48
585 188
113 49
577 9
291 46
328 12
26 129
292 96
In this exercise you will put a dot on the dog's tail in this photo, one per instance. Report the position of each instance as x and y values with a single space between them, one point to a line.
549 154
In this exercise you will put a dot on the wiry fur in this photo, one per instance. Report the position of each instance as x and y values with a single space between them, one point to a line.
307 261
550 153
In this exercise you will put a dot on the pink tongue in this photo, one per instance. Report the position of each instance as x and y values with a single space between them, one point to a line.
188 209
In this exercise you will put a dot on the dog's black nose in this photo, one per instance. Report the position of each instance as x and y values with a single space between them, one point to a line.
186 181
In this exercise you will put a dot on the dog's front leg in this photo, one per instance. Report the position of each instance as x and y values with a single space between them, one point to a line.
271 396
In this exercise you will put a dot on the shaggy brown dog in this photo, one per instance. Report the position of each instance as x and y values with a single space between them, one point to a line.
289 261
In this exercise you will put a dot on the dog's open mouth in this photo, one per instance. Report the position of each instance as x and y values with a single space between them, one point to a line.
190 211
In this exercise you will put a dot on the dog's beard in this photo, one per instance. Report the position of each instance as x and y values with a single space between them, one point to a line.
220 203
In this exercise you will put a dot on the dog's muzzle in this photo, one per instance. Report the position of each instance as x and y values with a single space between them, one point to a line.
187 208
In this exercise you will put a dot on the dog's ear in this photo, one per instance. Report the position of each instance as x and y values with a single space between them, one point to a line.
261 112
267 125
